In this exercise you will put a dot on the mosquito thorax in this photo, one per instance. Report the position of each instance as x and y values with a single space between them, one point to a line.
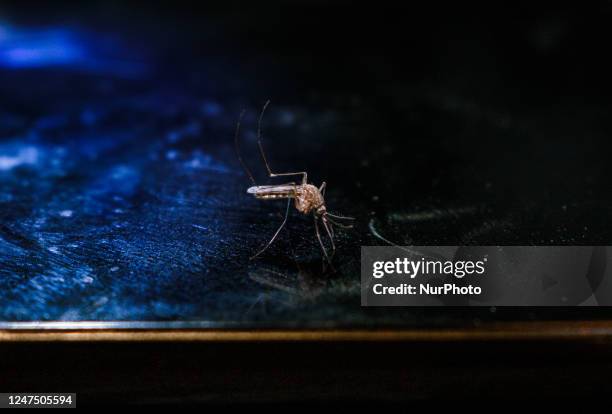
308 198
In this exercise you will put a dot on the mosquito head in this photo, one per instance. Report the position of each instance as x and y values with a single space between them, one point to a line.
321 211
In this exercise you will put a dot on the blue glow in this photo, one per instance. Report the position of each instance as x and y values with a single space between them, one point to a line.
64 47
37 48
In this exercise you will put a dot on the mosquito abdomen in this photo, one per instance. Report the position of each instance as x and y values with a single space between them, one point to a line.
272 191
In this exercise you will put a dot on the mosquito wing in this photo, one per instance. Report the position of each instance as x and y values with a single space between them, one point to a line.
272 191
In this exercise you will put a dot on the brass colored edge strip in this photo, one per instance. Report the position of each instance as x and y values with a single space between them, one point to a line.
599 331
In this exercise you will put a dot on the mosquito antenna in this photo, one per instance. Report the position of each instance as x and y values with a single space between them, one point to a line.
237 147
340 217
335 223
261 150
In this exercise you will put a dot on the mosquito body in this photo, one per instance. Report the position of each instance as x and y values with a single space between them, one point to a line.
307 198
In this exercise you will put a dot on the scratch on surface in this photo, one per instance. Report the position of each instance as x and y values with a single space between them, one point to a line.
274 281
379 236
433 214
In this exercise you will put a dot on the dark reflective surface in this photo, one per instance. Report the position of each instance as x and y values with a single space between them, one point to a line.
121 197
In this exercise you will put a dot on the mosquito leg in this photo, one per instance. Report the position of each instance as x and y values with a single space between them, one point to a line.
322 188
303 174
331 229
263 154
277 231
321 241
331 237
327 221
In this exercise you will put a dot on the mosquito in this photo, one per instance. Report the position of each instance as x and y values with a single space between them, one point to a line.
308 199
